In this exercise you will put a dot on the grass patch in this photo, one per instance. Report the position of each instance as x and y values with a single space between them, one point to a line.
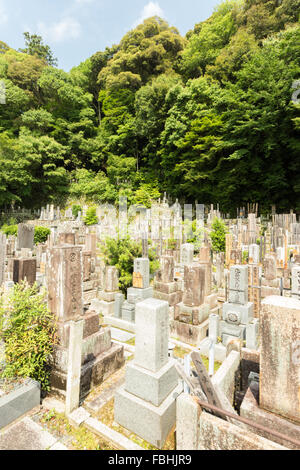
80 438
131 342
181 352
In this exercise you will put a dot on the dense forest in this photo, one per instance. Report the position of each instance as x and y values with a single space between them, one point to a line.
206 117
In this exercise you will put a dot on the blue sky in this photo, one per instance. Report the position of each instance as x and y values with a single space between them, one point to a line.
75 29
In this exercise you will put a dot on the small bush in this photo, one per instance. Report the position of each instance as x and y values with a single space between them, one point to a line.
75 210
41 234
121 253
91 217
10 229
28 331
218 235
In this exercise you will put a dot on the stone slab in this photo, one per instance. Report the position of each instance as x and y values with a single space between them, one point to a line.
19 402
149 422
191 334
26 435
250 410
218 434
280 357
118 440
151 342
119 323
121 335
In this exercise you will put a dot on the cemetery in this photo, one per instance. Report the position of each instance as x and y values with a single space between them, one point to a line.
201 353
150 227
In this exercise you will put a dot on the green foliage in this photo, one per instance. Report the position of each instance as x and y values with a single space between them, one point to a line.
10 229
218 235
28 331
146 194
121 253
41 234
194 233
91 217
75 210
36 47
206 117
245 257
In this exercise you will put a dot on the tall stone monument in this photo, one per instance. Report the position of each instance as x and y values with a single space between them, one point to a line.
99 356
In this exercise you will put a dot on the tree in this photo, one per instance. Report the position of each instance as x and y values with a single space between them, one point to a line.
36 47
218 235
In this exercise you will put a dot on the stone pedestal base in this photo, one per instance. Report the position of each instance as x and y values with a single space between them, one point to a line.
191 315
103 307
172 298
93 372
251 410
191 334
153 387
152 423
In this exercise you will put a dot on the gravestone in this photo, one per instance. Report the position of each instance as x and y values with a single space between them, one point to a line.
165 288
237 312
186 253
279 385
2 257
145 404
99 356
25 236
190 322
296 282
66 238
141 273
24 270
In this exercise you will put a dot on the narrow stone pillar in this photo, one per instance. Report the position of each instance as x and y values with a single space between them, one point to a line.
74 366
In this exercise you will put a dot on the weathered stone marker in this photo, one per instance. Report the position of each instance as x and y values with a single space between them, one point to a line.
25 236
2 256
24 270
146 403
74 366
279 386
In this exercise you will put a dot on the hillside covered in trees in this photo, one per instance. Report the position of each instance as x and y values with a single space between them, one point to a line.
208 116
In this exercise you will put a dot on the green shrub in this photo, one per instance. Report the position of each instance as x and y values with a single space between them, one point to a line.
194 233
218 235
75 210
41 234
91 217
28 331
10 229
121 253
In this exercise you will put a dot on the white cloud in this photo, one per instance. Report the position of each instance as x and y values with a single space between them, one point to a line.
67 28
3 15
151 9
